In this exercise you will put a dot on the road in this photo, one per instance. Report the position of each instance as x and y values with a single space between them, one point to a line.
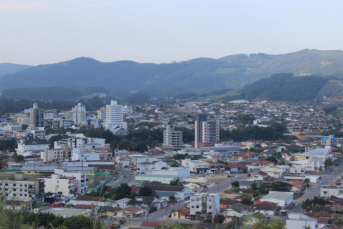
121 172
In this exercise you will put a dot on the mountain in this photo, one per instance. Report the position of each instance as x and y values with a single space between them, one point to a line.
6 68
198 76
283 87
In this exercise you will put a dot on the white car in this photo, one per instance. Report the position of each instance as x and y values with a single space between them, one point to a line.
236 176
320 182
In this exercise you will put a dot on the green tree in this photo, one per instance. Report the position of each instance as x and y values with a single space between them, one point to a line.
24 126
172 198
247 201
328 162
235 184
272 159
145 191
176 182
219 218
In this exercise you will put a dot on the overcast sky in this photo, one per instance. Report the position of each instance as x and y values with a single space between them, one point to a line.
49 31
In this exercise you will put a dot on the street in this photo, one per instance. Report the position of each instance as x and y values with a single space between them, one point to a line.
121 172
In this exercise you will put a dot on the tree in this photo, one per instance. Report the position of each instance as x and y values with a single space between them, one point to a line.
245 170
172 198
145 191
328 162
19 158
247 201
235 184
306 182
24 126
272 159
253 186
176 182
219 218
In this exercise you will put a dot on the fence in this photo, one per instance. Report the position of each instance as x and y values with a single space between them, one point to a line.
101 184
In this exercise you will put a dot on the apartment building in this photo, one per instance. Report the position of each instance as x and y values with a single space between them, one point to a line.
77 114
80 181
59 154
206 132
115 118
172 138
36 116
58 184
204 206
22 189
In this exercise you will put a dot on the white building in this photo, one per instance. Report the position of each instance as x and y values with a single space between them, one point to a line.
283 199
60 185
115 118
172 138
32 145
196 166
300 221
80 179
204 206
330 191
77 114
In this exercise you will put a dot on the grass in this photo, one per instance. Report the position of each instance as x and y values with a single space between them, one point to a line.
216 180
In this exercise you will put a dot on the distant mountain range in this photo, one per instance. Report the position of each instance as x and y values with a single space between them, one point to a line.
200 76
7 68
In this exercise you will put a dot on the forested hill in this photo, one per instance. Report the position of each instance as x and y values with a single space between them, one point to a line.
6 68
197 76
283 87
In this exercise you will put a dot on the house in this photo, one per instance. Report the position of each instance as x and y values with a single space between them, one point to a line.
216 167
283 199
235 167
328 190
231 215
182 213
131 212
265 208
273 171
164 191
300 221
148 201
260 176
297 185
247 156
264 163
247 184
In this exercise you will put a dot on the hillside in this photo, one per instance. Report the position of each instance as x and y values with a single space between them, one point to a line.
198 76
6 68
283 87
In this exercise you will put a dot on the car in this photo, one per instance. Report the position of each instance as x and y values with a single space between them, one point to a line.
336 164
228 175
320 182
296 204
236 176
114 178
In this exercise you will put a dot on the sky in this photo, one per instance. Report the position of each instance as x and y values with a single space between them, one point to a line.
161 31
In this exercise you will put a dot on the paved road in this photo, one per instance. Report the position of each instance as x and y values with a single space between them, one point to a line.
121 172
225 185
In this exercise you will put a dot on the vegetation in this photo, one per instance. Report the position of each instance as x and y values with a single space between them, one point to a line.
235 184
284 87
124 190
328 162
145 191
263 224
310 204
176 182
8 144
219 218
138 98
274 132
47 93
247 201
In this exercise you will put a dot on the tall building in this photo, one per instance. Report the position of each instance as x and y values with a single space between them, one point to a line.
77 114
101 113
115 118
206 132
36 116
204 206
172 138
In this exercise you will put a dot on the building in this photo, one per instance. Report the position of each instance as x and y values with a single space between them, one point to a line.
206 132
300 221
32 145
101 113
283 199
163 176
58 184
36 116
22 189
65 123
77 114
172 138
204 206
196 166
115 118
80 181
59 154
330 191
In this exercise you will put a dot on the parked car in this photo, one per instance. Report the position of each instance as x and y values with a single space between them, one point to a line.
115 178
228 175
236 176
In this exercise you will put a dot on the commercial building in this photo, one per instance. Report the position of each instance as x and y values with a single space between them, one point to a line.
204 206
115 118
300 221
283 199
36 116
196 166
206 132
172 138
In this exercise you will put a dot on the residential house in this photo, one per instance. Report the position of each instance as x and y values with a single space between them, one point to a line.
330 191
148 201
196 166
235 167
182 213
247 156
265 208
247 184
131 212
273 171
231 215
297 185
164 191
264 163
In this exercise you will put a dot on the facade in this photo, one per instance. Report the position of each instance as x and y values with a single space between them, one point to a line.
65 123
204 206
36 116
330 191
31 145
115 117
58 184
300 221
172 138
206 132
80 179
59 154
101 113
77 114
196 166
21 189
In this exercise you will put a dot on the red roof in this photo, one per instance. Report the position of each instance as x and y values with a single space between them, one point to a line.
134 189
323 220
235 165
184 211
265 204
133 209
151 224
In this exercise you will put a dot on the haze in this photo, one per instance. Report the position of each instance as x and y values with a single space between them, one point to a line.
40 32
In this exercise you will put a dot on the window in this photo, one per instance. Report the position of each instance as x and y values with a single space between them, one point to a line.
197 207
209 207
